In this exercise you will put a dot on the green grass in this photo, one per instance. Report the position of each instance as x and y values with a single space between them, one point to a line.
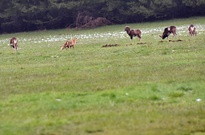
147 89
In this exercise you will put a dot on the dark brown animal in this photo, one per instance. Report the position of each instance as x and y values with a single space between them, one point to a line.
133 33
14 43
69 44
168 31
192 30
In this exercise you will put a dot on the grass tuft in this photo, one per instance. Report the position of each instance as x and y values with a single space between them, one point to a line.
176 94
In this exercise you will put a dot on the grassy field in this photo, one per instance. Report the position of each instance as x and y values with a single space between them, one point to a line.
147 87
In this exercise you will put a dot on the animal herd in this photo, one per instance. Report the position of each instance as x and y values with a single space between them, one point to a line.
131 32
167 31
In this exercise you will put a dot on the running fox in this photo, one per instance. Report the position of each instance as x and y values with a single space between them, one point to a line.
69 44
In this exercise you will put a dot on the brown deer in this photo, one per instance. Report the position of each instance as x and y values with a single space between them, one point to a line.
133 33
168 31
14 43
192 30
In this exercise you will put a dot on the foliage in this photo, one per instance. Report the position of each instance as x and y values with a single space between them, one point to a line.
27 15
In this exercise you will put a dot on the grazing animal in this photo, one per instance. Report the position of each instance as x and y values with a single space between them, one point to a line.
192 30
168 31
133 33
69 44
14 43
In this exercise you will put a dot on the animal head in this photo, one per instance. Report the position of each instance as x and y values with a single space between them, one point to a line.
127 28
192 27
163 36
75 40
64 46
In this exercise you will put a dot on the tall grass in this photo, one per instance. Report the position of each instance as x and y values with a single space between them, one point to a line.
156 87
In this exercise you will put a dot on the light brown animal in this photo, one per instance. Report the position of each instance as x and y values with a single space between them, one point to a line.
133 33
192 30
69 44
14 43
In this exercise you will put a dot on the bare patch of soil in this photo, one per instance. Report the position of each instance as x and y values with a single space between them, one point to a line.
141 43
179 40
110 45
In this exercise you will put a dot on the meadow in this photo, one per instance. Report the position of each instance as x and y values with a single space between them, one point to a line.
147 87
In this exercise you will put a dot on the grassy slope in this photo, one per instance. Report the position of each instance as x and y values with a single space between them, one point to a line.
130 89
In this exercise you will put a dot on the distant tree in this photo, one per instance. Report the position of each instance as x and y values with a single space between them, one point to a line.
27 15
163 9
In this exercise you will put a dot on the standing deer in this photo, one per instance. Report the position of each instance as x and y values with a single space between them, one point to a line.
14 43
192 30
168 31
133 33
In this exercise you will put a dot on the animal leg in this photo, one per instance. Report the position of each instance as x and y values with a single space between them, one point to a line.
16 47
139 37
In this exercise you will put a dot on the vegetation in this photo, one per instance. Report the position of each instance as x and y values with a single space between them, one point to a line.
29 15
146 87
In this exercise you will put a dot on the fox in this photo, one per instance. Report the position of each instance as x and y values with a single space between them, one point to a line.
69 44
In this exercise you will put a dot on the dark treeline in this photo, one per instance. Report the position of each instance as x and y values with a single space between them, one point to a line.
29 15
